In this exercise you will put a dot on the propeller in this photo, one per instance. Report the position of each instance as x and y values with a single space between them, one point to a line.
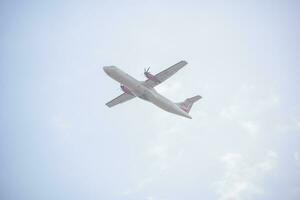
146 70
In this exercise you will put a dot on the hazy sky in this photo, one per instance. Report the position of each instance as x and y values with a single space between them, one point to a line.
59 141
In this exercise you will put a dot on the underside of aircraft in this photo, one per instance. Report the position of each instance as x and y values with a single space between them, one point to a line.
145 89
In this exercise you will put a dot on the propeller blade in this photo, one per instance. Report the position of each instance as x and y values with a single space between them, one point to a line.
146 71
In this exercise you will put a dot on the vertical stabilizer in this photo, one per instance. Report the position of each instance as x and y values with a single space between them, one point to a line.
188 103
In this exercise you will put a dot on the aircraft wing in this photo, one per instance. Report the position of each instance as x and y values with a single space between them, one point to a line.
120 99
164 75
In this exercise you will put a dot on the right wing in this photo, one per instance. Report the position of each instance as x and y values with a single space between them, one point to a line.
120 99
164 75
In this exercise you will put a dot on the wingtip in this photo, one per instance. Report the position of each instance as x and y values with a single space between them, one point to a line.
185 62
107 104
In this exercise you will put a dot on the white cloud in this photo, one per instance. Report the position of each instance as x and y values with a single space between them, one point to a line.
270 162
230 112
251 127
154 198
243 177
160 155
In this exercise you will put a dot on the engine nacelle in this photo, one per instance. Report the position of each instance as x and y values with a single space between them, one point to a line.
125 89
151 77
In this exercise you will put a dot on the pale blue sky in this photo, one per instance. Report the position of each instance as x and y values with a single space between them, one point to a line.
58 140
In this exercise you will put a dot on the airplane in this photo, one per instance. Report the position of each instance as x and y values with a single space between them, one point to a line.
145 89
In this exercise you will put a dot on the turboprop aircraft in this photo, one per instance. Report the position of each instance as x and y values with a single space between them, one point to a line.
145 89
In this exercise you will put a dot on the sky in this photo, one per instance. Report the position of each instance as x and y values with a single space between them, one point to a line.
58 140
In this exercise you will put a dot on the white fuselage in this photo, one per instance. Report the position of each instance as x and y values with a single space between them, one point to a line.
138 89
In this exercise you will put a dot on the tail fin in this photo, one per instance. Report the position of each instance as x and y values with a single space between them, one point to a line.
188 103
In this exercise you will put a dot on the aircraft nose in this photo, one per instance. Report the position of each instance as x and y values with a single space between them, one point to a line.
107 69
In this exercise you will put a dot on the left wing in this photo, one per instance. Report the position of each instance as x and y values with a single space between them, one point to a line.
164 75
120 99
